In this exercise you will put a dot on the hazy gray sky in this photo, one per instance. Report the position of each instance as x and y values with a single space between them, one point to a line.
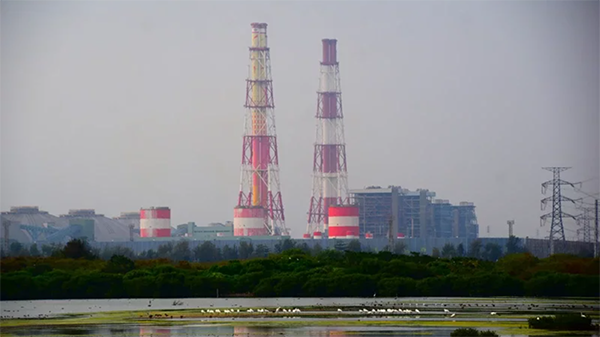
119 105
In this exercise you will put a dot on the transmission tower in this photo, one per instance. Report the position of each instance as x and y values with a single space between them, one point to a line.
584 221
557 230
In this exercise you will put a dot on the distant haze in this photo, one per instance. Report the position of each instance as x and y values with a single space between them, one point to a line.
118 105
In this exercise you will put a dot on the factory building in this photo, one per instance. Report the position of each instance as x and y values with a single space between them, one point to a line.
412 214
443 218
105 229
129 219
465 221
208 232
34 221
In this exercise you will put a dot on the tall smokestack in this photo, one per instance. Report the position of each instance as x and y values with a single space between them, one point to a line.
260 208
330 177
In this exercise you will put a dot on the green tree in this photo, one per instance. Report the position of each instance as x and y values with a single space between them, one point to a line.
108 252
77 249
460 250
151 254
448 251
340 245
354 246
164 250
475 249
261 251
304 247
492 251
206 252
181 251
513 245
399 247
317 249
119 264
245 250
15 248
33 250
50 250
284 245
230 253
435 252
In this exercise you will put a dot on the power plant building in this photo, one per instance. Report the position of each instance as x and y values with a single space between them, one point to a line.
129 219
105 229
465 221
412 214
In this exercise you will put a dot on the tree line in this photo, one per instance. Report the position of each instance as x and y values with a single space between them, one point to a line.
209 252
76 271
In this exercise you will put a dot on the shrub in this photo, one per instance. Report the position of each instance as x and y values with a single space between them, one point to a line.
571 322
468 332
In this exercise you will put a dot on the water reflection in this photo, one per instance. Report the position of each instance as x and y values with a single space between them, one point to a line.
151 331
222 330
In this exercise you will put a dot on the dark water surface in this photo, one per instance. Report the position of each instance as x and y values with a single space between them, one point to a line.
215 330
20 309
212 330
430 309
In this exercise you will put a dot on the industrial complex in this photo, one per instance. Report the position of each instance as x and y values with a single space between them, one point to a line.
374 215
413 214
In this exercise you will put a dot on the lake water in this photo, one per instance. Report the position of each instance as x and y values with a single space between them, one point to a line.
21 309
430 309
212 330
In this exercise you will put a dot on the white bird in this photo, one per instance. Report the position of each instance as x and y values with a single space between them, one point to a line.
277 310
201 310
417 311
452 315
339 310
582 315
249 310
446 310
492 313
538 318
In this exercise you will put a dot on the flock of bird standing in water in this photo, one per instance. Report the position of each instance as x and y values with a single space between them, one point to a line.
376 308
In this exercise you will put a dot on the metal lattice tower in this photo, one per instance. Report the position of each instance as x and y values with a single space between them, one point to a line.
259 186
330 177
584 220
557 230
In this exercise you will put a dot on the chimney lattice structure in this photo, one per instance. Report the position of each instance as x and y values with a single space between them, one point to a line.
259 210
330 177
